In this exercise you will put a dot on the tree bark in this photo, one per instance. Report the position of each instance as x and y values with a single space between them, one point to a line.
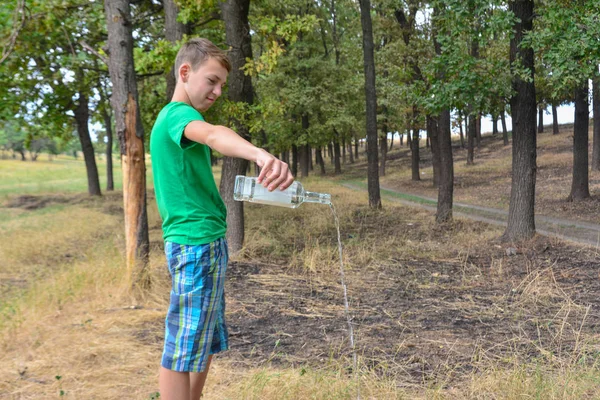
82 118
294 165
415 156
580 189
130 132
494 125
504 130
330 152
350 152
521 212
596 137
371 105
174 32
460 128
237 36
471 134
541 120
356 148
554 120
446 179
320 161
336 155
383 149
110 181
433 133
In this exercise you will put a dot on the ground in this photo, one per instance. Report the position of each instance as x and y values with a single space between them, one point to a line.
432 306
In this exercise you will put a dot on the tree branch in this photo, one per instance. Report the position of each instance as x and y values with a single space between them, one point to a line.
93 51
13 36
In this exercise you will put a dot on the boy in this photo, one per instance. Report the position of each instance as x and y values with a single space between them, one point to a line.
193 215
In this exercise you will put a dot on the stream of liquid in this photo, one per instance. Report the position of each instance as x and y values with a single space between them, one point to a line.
346 306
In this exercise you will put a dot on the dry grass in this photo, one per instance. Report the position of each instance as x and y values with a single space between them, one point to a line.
72 327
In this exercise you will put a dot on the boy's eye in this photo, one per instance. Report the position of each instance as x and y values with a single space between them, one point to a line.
212 81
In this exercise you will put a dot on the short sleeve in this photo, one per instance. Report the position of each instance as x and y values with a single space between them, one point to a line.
178 118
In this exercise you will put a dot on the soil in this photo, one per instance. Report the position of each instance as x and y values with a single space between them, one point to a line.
417 319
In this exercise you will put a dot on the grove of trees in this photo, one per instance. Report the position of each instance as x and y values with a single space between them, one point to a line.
310 79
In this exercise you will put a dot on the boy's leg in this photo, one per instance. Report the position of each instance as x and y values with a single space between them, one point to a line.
197 380
174 385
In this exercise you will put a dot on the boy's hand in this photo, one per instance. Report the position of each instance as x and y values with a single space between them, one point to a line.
273 172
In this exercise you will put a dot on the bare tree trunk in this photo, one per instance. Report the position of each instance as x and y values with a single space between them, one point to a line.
130 132
237 36
371 100
337 155
383 150
294 166
478 129
110 181
356 148
432 127
580 188
521 212
541 120
350 153
554 120
596 137
174 32
446 180
460 128
494 125
415 156
320 161
82 118
504 130
330 152
471 134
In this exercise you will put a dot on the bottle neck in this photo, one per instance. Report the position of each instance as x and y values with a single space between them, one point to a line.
314 197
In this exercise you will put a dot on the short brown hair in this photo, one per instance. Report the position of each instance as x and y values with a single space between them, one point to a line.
196 51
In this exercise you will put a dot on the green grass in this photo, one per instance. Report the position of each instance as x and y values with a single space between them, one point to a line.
62 174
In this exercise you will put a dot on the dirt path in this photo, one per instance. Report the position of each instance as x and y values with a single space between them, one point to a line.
565 229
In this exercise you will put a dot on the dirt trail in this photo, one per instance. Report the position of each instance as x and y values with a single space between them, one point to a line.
565 229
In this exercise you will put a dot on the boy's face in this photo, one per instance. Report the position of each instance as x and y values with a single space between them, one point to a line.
203 86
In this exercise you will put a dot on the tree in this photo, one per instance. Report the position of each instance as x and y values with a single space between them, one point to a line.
131 137
521 212
371 101
237 31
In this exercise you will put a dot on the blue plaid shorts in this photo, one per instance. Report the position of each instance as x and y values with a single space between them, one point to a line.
195 323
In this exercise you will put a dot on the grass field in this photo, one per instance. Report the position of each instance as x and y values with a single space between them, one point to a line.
440 312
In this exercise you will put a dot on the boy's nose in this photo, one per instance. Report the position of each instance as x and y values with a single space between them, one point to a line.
217 91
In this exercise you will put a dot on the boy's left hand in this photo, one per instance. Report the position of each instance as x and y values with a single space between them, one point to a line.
274 173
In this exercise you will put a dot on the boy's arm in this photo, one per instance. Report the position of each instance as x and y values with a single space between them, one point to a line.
273 174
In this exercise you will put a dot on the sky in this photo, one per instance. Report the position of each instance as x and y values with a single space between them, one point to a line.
565 114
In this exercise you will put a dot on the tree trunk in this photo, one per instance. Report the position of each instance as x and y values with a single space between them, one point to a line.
337 155
596 137
460 129
478 129
554 120
414 151
391 142
130 132
504 130
521 212
294 166
320 161
356 148
446 179
371 105
343 144
433 133
494 125
350 152
541 120
304 161
580 185
110 182
82 118
237 36
383 150
330 152
174 32
471 134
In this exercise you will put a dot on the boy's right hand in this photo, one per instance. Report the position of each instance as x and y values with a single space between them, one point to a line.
274 173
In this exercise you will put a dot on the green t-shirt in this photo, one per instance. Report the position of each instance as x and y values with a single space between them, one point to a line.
188 200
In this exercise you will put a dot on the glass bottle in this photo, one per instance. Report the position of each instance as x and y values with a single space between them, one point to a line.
248 189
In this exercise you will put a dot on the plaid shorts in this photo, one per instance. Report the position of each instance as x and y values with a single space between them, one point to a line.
195 324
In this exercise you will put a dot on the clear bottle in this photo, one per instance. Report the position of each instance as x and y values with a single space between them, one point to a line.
248 189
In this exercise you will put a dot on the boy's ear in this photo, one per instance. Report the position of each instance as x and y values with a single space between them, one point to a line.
184 71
